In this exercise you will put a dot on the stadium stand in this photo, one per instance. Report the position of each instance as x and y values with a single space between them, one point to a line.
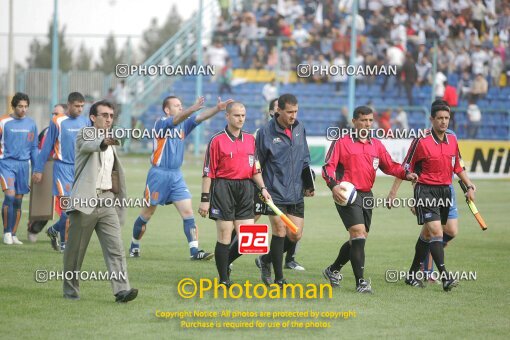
472 38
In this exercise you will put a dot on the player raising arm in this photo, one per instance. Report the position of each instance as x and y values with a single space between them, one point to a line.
165 183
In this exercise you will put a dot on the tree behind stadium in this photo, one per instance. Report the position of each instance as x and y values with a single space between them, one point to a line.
40 53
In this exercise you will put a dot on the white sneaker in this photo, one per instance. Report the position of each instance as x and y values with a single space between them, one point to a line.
32 237
15 240
8 238
294 265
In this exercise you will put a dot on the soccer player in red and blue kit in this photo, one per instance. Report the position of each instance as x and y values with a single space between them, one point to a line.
61 139
18 145
165 183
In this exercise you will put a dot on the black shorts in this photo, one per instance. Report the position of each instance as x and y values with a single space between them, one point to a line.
231 199
359 212
259 205
432 203
297 209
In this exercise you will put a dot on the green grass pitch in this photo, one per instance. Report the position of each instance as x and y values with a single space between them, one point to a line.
476 309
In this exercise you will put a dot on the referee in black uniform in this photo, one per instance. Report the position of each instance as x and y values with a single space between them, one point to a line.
227 191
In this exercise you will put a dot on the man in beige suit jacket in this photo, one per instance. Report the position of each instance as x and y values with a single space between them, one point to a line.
89 207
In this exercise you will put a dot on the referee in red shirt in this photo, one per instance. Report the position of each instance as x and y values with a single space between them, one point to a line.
227 191
435 158
355 158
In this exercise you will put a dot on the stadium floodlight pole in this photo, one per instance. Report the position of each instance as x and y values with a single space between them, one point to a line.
127 109
278 64
352 59
128 46
434 71
54 58
10 56
198 133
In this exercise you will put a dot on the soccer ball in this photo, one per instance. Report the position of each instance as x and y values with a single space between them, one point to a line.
350 193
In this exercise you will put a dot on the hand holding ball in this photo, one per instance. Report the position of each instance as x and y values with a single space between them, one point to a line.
344 194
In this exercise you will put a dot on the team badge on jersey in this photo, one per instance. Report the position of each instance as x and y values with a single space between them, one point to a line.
375 163
251 160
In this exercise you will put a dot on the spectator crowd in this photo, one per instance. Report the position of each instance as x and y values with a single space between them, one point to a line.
472 38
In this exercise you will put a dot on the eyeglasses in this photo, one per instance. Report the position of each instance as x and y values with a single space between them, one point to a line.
105 115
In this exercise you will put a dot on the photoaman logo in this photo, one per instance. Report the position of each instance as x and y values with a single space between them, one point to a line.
188 288
253 239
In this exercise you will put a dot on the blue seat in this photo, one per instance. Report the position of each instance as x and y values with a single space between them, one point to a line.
453 78
460 131
502 132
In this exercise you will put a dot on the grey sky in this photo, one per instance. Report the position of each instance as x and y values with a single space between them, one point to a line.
94 17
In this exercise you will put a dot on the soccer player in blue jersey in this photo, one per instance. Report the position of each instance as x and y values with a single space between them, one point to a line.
18 145
61 139
165 183
35 226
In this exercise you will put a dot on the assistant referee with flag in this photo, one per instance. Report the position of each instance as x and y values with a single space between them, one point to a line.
435 158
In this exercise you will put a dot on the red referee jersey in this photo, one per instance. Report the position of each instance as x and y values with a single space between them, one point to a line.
434 160
351 160
231 157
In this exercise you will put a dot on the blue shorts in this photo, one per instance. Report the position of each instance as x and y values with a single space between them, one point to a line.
14 176
63 178
164 186
453 213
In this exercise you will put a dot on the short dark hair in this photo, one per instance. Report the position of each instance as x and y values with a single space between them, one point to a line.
439 105
75 97
286 99
19 96
271 103
104 102
165 101
362 110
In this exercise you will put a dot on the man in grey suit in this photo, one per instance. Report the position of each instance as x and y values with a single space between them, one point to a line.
96 161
